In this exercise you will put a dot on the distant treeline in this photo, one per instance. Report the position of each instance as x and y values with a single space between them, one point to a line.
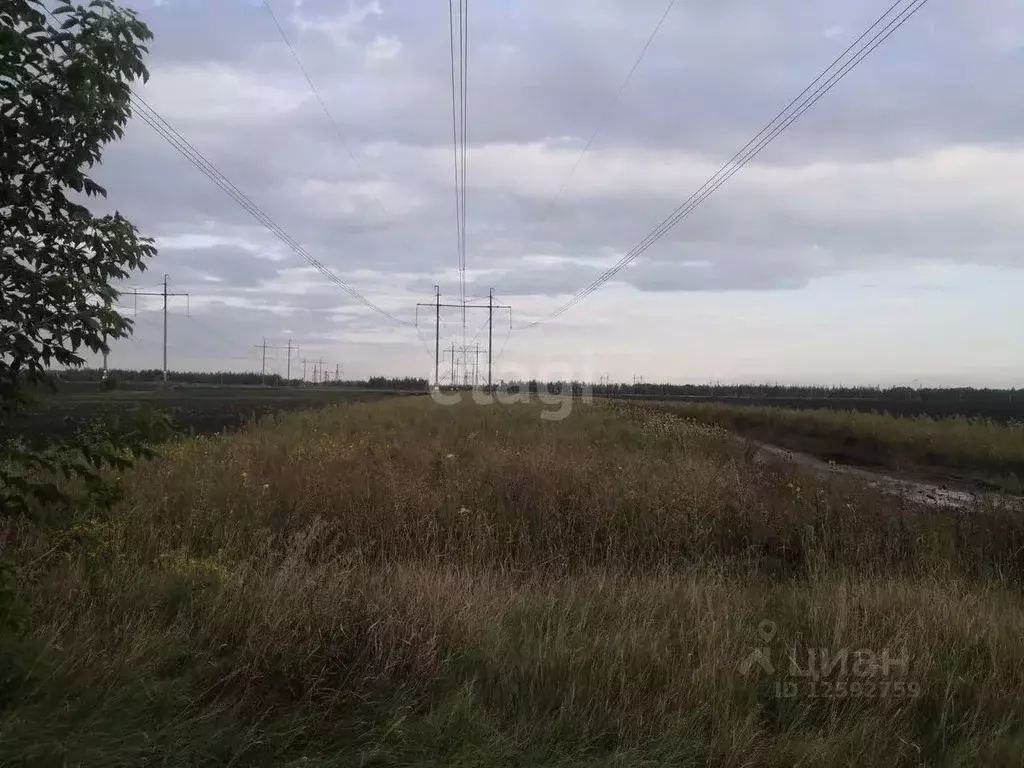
928 395
763 391
234 378
759 391
996 404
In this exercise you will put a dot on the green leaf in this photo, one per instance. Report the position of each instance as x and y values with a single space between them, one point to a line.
63 99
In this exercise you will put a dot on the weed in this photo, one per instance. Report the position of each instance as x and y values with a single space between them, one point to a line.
399 583
976 449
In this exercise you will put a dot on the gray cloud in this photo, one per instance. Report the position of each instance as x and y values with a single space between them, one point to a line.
909 160
234 266
711 77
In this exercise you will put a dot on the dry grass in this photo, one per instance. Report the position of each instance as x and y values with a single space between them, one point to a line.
399 583
976 449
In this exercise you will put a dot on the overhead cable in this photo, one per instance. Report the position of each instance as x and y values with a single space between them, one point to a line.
821 85
319 98
167 132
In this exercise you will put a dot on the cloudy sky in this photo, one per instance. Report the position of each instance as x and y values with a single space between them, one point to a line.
878 240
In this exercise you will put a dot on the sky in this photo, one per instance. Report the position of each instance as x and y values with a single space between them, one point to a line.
876 241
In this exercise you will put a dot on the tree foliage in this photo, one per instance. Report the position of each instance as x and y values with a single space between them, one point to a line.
64 94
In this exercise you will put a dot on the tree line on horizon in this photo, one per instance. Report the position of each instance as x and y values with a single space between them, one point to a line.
774 390
748 391
119 376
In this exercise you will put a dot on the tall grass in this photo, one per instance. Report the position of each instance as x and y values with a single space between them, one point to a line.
401 583
979 448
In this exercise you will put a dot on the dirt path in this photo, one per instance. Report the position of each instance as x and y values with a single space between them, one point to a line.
915 490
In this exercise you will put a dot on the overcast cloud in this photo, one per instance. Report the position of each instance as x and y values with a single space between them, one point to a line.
877 240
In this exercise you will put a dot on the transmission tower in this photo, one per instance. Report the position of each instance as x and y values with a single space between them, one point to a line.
438 305
165 294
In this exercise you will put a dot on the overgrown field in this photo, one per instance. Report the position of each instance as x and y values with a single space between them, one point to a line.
401 583
975 451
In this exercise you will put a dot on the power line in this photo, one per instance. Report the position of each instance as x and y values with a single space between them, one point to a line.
760 141
508 335
319 98
437 305
167 132
460 62
446 323
464 19
455 133
480 330
165 294
753 147
609 109
172 136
